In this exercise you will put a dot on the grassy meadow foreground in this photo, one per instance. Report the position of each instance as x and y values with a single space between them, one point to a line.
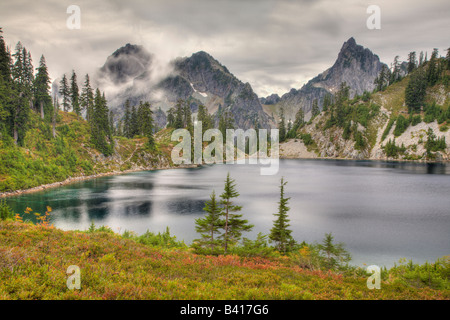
34 261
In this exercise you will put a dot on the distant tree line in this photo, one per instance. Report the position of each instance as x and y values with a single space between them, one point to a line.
22 90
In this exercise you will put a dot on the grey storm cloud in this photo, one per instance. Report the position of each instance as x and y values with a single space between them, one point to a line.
273 45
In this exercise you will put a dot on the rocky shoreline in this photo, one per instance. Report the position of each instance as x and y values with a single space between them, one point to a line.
83 178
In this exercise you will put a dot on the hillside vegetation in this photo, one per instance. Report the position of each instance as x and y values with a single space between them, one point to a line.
44 160
34 260
393 122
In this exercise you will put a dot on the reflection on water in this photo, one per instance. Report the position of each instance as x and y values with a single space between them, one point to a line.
382 211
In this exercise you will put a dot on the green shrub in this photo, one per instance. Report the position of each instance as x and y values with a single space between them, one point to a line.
307 139
5 211
401 126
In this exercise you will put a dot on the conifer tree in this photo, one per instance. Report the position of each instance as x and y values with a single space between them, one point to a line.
146 124
75 94
299 119
100 129
282 126
209 227
134 123
5 88
234 224
87 99
433 70
127 120
395 74
205 118
412 62
280 234
22 93
179 115
333 254
315 108
5 59
326 102
226 121
42 98
171 118
415 90
447 58
64 91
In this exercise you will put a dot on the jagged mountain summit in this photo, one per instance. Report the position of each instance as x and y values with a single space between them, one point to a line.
355 65
200 79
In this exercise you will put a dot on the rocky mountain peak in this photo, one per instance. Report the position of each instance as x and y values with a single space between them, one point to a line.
126 63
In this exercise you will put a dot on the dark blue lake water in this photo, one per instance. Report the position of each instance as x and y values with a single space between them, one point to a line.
381 211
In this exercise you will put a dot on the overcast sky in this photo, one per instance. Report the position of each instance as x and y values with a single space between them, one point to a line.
273 45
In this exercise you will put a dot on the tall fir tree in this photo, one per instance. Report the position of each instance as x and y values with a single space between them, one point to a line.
209 228
75 94
127 120
5 59
87 98
280 232
42 97
146 123
100 129
282 126
315 111
64 91
179 115
134 123
412 61
433 68
6 93
234 224
299 119
22 93
415 90
447 59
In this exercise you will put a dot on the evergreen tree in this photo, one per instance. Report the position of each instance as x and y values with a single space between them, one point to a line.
64 91
341 98
21 101
326 102
415 90
382 81
447 58
280 234
432 71
171 118
187 115
209 227
315 111
395 74
134 123
111 123
6 93
87 99
100 129
333 255
75 94
299 119
127 120
412 62
421 58
226 121
234 224
146 123
5 59
205 118
42 98
179 115
282 126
